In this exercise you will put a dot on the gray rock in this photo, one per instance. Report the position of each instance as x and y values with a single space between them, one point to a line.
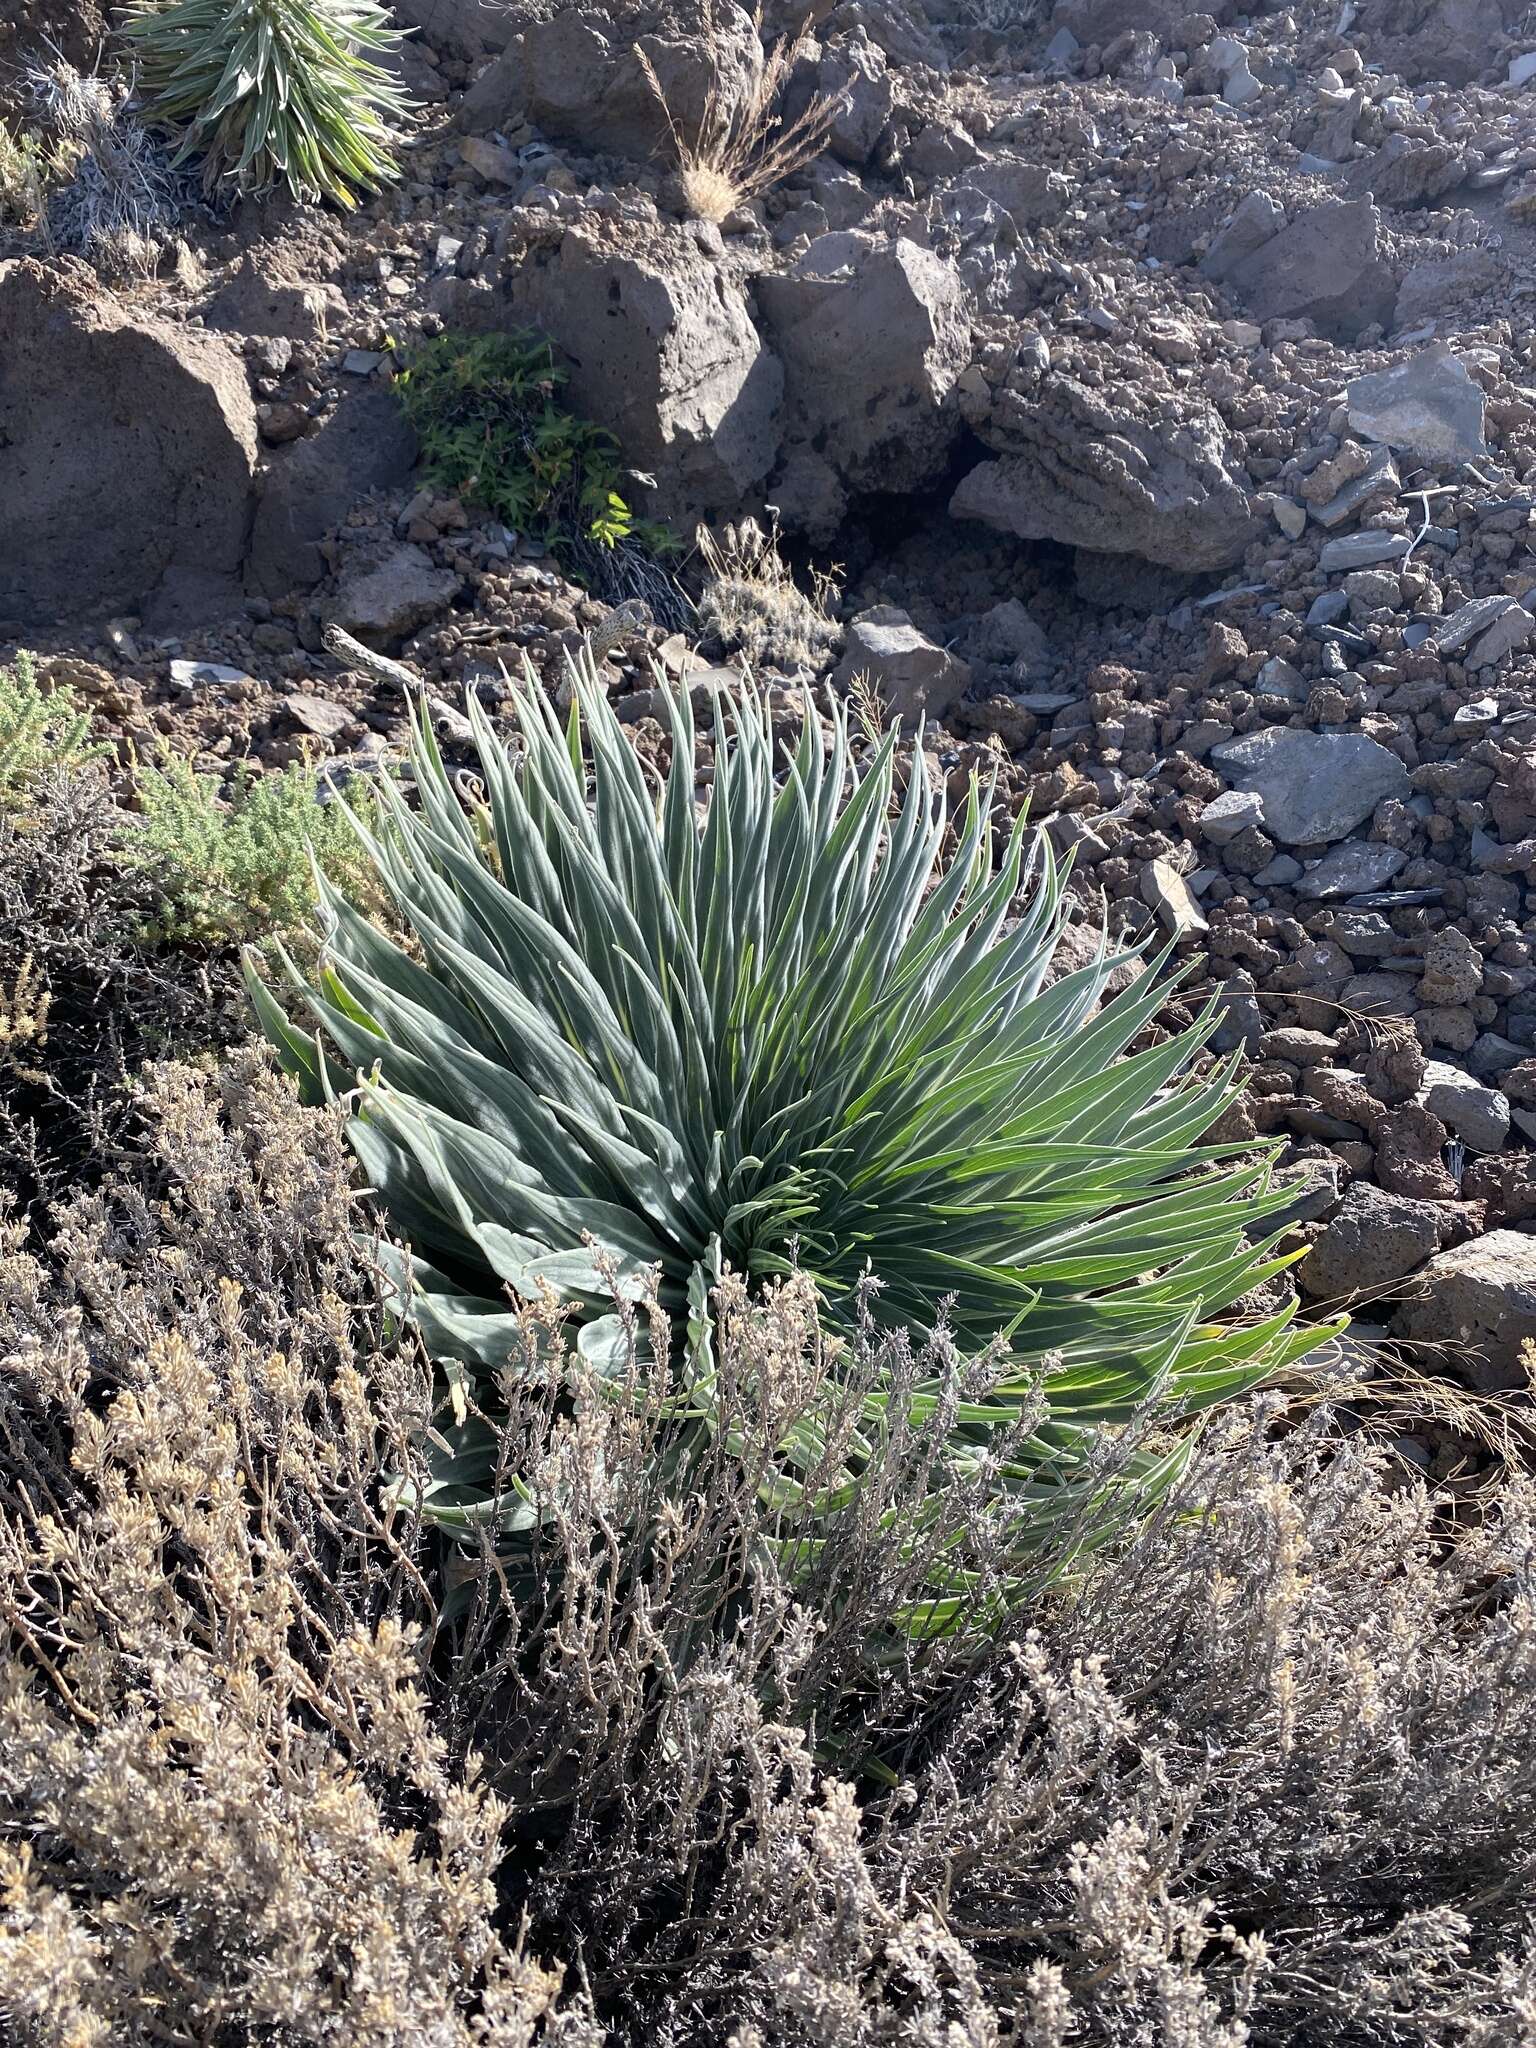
1165 890
1408 171
1482 711
460 28
1234 811
1466 622
1479 1300
494 163
1279 873
1094 475
366 445
662 352
258 301
873 333
321 716
1507 635
1326 266
1381 476
1493 1055
205 675
388 599
1316 786
857 76
127 453
1360 550
576 76
914 678
1453 968
1008 633
1374 1240
1436 39
1257 220
1327 606
1364 934
1350 870
1315 1187
1430 407
1033 195
1476 1114
1277 678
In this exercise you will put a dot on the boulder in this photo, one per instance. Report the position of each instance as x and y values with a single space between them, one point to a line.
1076 469
1257 219
365 445
129 452
382 600
914 678
1326 266
1451 40
1429 406
575 75
662 352
1030 193
1317 786
1470 1110
259 299
1479 1301
872 334
458 28
854 72
1007 633
1374 1239
1353 868
1407 171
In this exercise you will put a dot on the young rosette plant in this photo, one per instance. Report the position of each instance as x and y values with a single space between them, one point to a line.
627 1048
274 92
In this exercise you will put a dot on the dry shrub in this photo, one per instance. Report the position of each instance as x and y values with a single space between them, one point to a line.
118 197
1267 1775
225 1812
753 605
270 1771
744 143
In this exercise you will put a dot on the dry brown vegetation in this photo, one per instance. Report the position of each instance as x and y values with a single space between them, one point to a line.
745 143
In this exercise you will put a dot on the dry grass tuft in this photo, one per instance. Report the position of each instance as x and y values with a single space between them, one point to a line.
753 605
743 145
117 198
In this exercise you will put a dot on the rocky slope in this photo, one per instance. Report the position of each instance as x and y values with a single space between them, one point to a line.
1162 382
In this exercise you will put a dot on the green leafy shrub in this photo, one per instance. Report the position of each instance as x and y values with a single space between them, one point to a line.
638 1050
40 731
274 92
492 427
85 999
24 175
225 871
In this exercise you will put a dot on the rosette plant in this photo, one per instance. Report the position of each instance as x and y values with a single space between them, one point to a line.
632 1042
275 92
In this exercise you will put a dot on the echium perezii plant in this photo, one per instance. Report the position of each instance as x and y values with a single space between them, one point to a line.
632 1047
274 92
